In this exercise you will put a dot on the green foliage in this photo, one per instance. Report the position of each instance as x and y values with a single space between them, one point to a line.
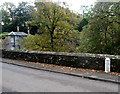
2 35
67 41
37 42
62 43
51 18
102 33
82 24
13 16
56 27
23 14
7 12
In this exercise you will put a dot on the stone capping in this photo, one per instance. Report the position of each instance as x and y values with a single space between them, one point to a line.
70 54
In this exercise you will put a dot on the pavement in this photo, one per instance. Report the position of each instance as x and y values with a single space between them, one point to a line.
101 76
20 80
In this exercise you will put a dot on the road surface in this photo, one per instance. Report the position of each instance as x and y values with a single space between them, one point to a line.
21 79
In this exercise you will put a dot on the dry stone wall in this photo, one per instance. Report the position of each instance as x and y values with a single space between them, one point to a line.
77 60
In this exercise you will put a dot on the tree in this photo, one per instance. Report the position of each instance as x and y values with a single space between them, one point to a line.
63 43
37 42
82 24
22 14
13 16
7 12
101 34
53 18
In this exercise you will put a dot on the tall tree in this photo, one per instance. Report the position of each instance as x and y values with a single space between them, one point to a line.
101 34
52 18
22 14
13 16
7 12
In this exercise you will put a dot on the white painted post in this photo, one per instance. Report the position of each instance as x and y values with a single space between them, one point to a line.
28 30
107 64
17 28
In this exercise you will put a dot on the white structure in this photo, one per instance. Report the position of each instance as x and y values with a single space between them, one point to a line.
17 28
107 64
14 37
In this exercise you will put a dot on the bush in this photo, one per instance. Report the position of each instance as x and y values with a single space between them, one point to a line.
2 35
62 42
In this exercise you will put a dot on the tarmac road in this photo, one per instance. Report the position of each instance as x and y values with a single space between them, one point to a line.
21 79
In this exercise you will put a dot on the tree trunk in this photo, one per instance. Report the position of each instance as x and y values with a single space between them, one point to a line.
51 35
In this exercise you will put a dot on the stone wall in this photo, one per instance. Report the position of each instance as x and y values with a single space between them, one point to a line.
77 60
